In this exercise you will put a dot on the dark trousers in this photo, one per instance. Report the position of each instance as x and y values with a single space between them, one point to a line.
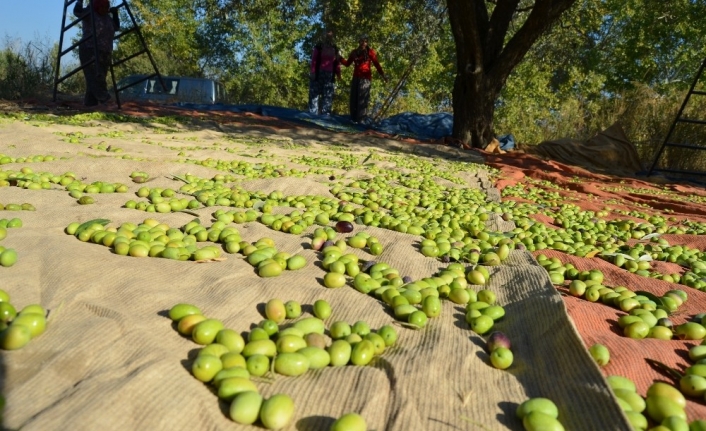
321 93
95 75
360 97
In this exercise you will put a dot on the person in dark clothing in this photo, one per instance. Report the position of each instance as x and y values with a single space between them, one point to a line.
325 67
362 57
95 72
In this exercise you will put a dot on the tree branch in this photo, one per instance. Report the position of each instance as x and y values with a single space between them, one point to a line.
499 24
543 15
469 24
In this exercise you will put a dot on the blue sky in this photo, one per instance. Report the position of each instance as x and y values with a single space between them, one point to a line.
32 21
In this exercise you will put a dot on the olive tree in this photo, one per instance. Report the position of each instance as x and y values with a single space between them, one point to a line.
491 37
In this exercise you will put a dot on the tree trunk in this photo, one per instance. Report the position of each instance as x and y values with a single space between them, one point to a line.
474 106
485 58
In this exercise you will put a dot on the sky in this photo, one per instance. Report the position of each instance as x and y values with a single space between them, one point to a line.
36 21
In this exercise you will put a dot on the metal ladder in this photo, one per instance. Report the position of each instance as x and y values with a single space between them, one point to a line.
134 28
680 119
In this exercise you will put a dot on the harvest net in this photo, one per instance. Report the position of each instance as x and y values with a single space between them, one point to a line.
597 323
111 359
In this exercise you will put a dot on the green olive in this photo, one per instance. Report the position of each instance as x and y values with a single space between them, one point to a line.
637 420
357 242
685 331
322 309
482 324
349 422
227 373
258 365
310 324
418 319
233 359
632 398
205 332
289 343
636 330
389 334
275 310
213 349
318 357
377 341
231 339
431 306
340 330
272 269
376 249
495 312
15 337
538 421
8 257
334 280
675 423
291 364
269 326
664 390
7 312
229 388
619 382
542 405
180 310
277 411
693 385
292 309
475 277
659 408
187 323
245 407
460 296
296 262
205 367
600 354
260 347
363 352
36 322
340 353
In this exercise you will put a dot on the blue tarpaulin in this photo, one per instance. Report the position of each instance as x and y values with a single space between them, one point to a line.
408 124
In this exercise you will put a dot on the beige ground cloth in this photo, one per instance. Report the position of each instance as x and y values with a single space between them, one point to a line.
608 151
111 360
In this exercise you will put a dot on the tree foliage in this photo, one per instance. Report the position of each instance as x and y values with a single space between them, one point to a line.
606 61
597 62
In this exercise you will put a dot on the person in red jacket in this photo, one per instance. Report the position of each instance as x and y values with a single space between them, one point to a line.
362 57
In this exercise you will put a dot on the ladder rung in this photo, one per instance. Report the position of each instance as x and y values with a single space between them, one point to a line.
116 63
73 72
689 120
72 24
699 92
118 36
691 146
72 47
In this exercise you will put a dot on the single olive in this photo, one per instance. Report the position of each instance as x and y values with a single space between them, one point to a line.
277 411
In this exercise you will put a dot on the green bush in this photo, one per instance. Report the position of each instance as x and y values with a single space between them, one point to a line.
27 71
